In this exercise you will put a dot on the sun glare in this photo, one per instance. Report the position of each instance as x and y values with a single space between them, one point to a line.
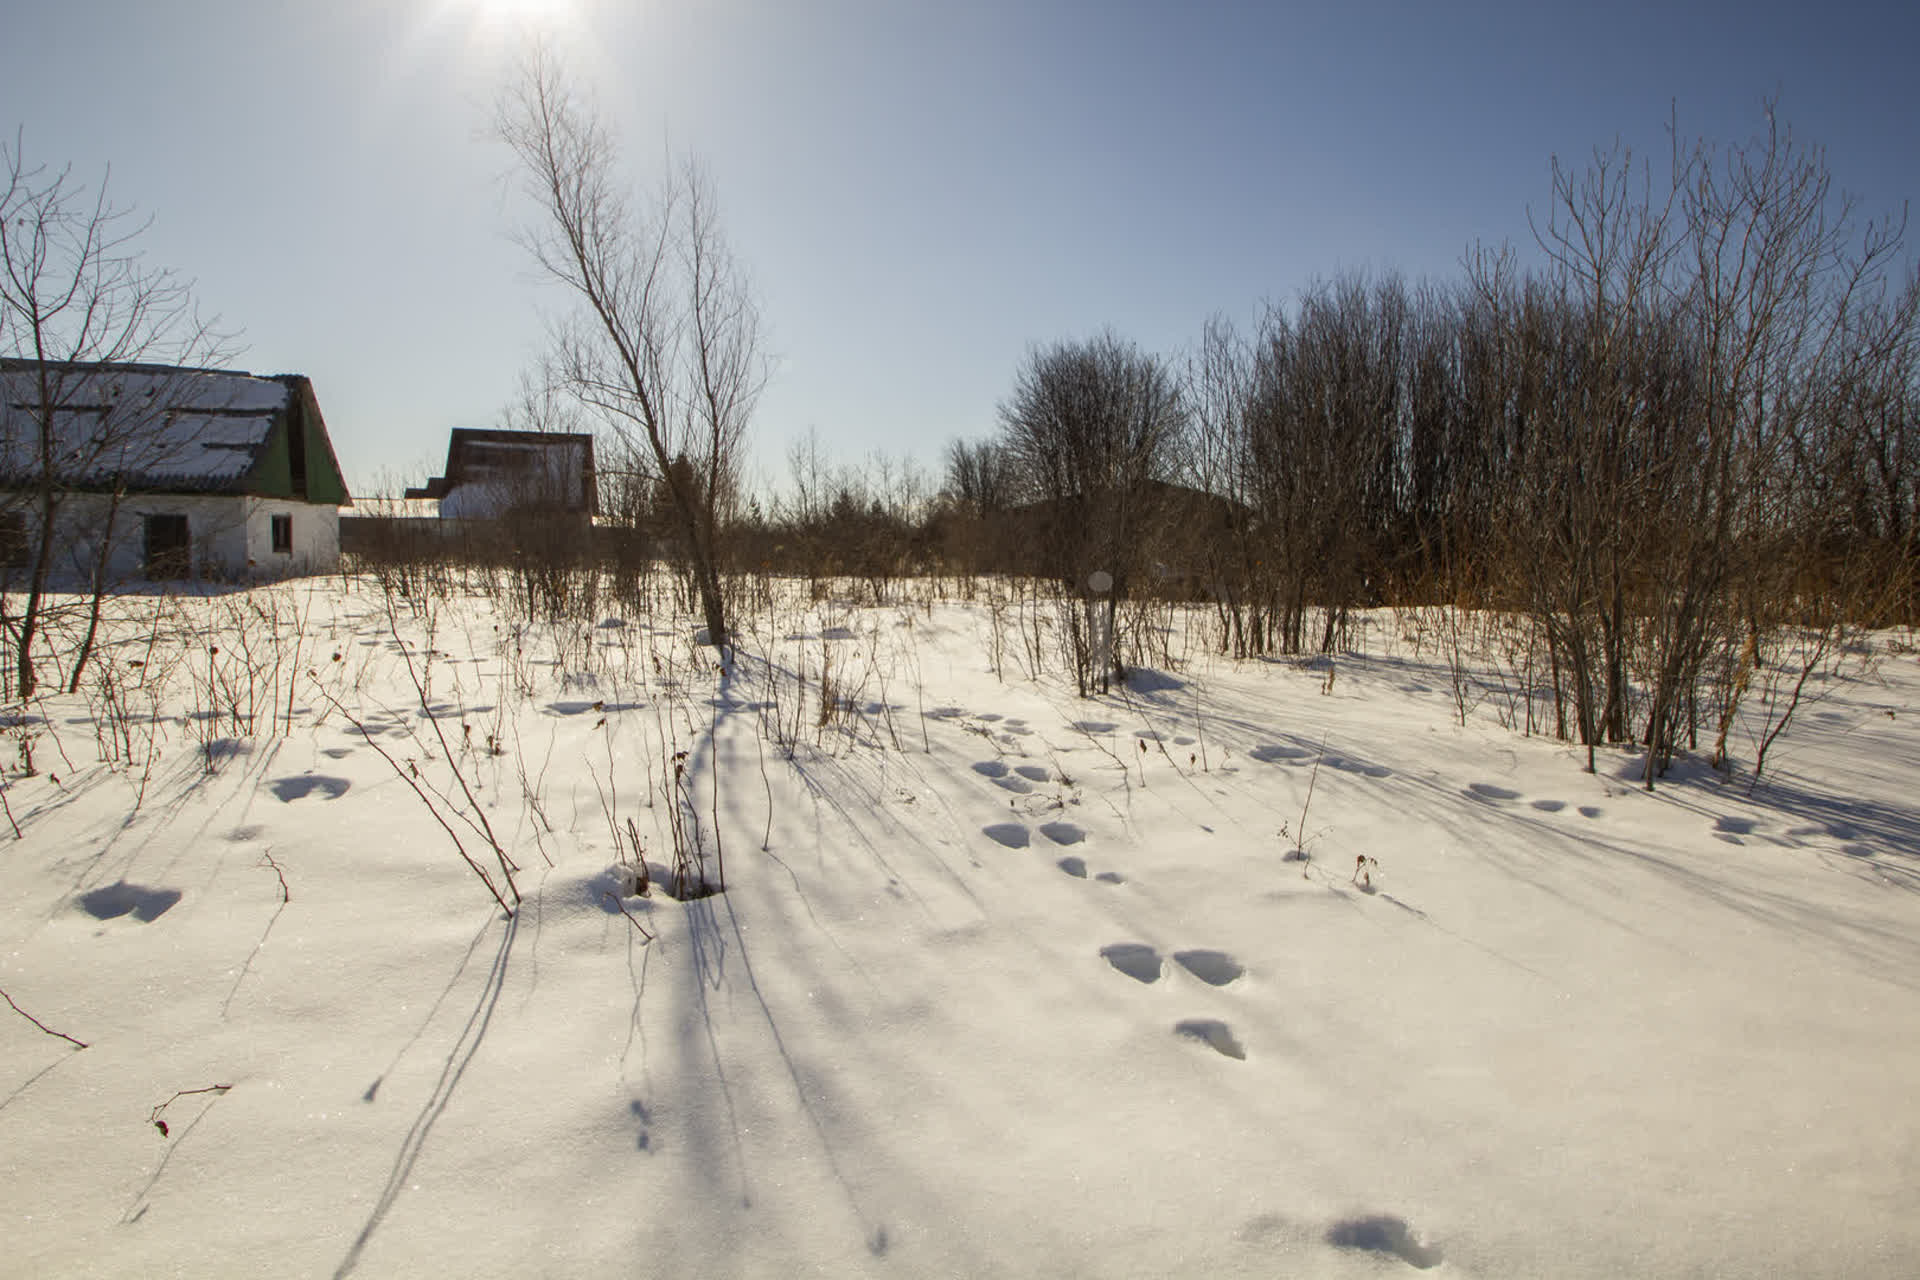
521 9
534 14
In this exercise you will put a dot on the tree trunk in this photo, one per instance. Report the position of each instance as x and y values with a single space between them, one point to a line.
99 591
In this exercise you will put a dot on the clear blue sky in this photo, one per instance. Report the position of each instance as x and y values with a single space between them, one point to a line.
920 190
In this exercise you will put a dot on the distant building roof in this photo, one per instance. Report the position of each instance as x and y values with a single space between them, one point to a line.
490 472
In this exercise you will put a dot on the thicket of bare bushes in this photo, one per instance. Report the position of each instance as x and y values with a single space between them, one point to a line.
1678 457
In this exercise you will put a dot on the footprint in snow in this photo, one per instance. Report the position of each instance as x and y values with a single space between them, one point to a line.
1588 811
990 768
1095 726
287 790
1215 968
1382 1234
1010 834
1135 959
1062 832
1213 1033
1076 867
1487 791
144 903
1111 877
1549 806
1273 753
1019 786
1033 772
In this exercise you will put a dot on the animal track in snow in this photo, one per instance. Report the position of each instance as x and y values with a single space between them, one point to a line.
1076 867
1062 832
1490 794
287 790
1215 968
1033 772
1213 1033
990 768
1019 786
1010 834
1135 959
1273 753
1111 877
1095 726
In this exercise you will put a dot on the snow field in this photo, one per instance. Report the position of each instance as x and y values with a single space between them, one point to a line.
1014 996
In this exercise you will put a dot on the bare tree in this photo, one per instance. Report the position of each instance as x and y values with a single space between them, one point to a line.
1093 426
75 299
979 476
1219 392
978 487
666 348
1775 271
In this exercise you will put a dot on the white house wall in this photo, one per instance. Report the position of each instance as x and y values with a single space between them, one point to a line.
231 537
316 539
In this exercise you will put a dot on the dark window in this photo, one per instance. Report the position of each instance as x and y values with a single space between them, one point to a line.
169 552
283 534
13 540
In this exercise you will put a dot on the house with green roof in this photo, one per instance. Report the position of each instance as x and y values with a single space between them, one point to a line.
169 472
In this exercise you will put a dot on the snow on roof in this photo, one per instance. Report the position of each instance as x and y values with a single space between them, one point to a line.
149 426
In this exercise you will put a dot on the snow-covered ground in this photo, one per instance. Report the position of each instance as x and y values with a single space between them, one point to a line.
1005 982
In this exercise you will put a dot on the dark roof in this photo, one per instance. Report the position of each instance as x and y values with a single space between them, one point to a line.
503 469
